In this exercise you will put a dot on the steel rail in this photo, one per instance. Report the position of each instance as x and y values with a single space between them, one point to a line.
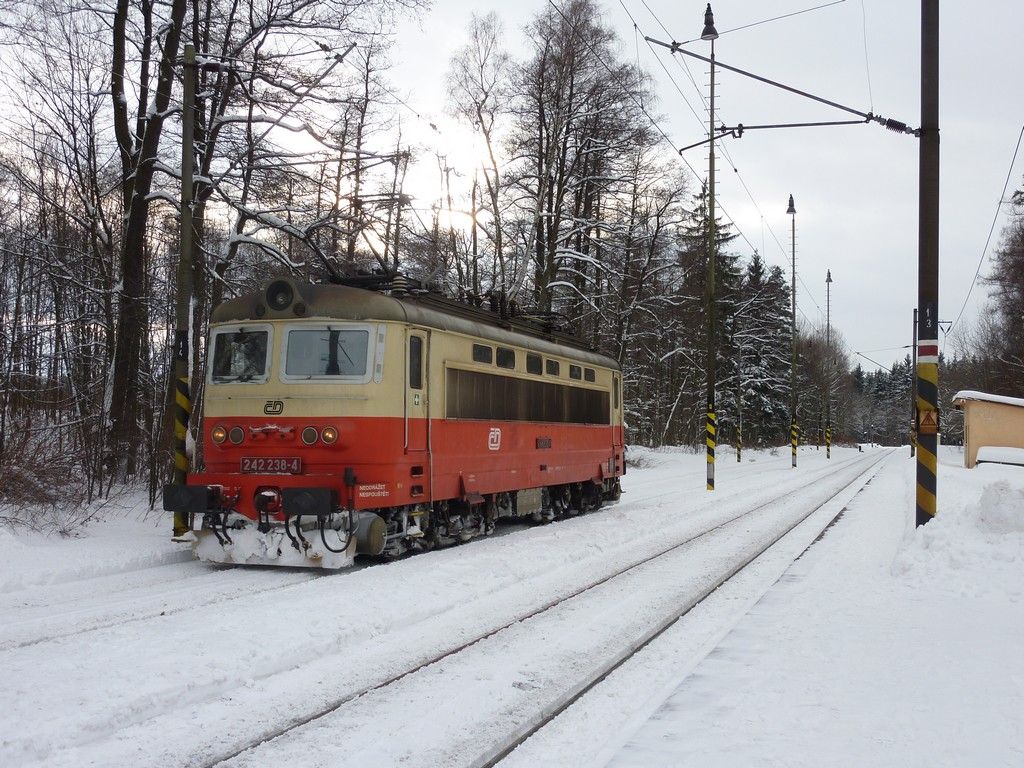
152 613
497 754
340 702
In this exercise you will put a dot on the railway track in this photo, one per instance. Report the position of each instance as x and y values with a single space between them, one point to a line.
495 756
61 611
249 753
339 640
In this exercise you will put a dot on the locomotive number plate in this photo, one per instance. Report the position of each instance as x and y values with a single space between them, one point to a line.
269 465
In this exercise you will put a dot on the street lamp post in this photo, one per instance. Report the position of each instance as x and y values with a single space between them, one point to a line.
711 427
794 430
828 364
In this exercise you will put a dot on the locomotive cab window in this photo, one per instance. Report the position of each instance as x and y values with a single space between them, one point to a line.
575 372
483 354
327 353
589 375
415 362
533 364
552 367
240 355
506 358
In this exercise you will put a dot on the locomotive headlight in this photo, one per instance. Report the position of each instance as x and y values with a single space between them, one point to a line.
309 435
236 435
329 435
279 295
218 434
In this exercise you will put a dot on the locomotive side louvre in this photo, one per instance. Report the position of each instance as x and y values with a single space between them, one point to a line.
335 405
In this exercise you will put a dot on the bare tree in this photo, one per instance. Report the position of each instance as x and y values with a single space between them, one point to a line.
478 87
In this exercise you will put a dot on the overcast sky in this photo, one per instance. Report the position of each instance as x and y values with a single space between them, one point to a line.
855 187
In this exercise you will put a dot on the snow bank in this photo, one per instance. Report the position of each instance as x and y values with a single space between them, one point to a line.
975 545
128 536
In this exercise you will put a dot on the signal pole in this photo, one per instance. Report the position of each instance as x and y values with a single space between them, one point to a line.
181 402
711 426
794 429
928 269
828 364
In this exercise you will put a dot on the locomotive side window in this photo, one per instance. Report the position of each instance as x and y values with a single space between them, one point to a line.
552 367
480 395
615 390
575 372
326 352
506 358
588 374
533 364
482 354
239 355
415 362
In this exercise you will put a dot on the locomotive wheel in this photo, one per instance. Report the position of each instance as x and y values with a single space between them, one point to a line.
592 498
561 500
576 499
490 515
614 492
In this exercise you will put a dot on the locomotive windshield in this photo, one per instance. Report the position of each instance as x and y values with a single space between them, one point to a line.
239 355
327 352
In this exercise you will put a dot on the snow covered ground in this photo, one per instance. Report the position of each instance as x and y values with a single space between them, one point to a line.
882 645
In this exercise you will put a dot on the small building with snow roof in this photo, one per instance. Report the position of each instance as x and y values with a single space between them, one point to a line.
993 426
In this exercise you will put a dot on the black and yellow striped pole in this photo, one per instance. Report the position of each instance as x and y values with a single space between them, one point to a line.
829 360
182 413
710 434
794 430
739 444
711 427
928 268
182 404
794 439
927 427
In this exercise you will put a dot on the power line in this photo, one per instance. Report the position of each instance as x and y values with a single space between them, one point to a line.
880 365
867 66
889 349
783 16
725 151
991 229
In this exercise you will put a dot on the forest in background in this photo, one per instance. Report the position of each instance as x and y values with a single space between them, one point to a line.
576 210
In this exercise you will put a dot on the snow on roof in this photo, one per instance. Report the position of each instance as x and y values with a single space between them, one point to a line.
969 394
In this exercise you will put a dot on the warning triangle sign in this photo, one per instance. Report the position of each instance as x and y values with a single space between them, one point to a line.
929 422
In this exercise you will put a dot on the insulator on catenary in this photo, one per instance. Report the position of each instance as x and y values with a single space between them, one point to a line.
896 126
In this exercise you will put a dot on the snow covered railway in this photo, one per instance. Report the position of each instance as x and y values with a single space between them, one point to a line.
491 693
339 420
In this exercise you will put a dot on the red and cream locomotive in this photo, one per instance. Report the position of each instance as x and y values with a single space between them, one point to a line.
339 420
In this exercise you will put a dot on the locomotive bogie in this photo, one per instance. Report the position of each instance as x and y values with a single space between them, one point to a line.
382 425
